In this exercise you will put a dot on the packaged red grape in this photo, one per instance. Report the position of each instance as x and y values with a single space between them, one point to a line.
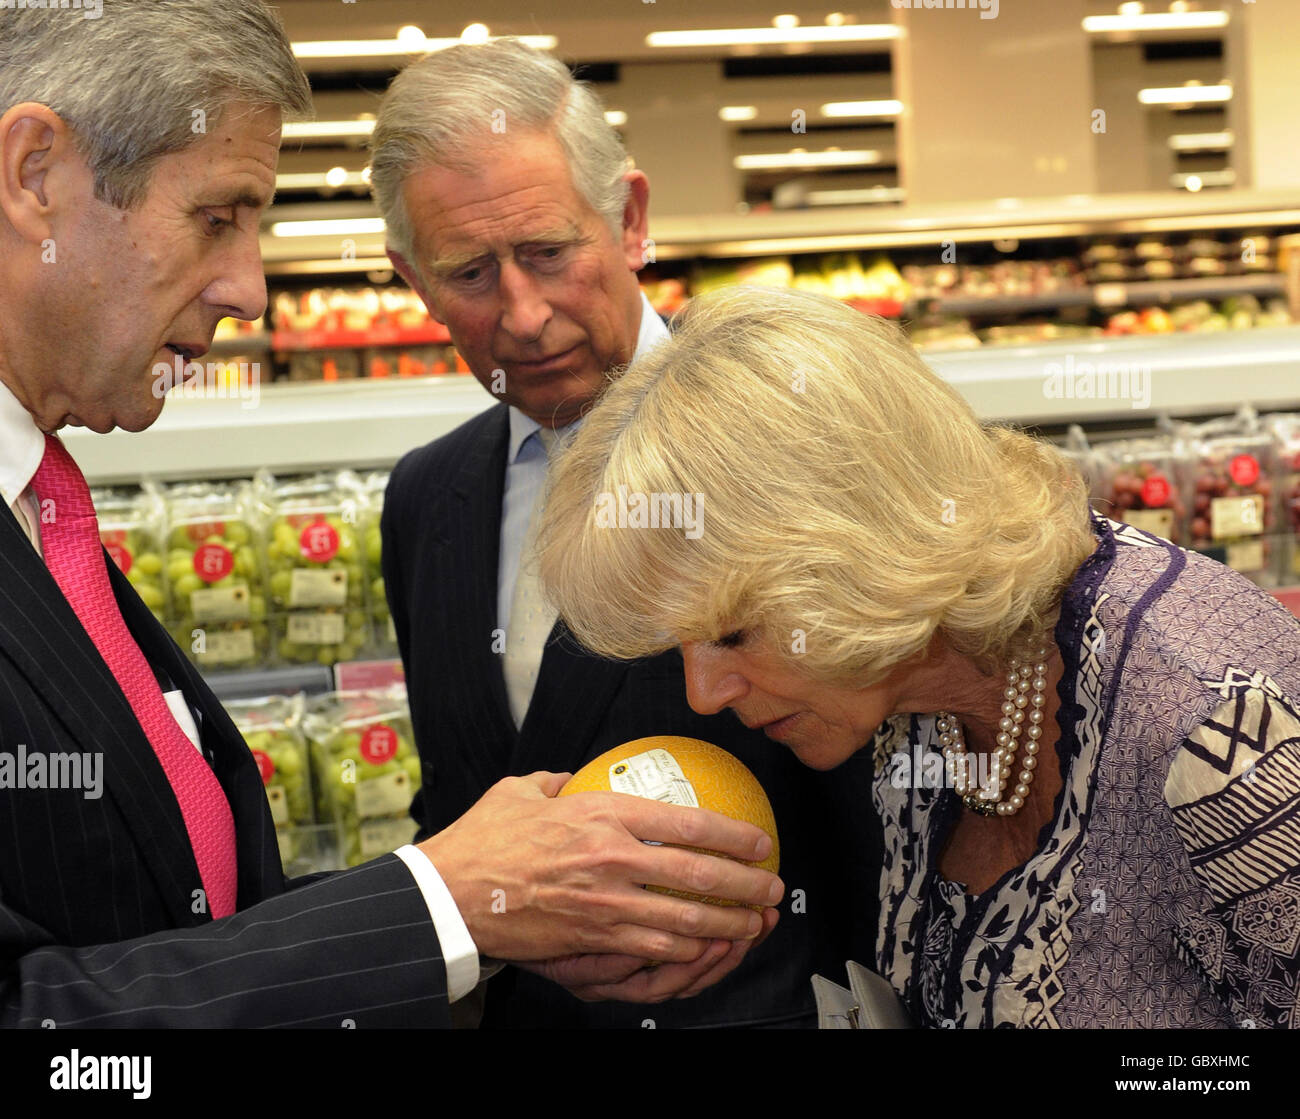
1139 485
1285 428
1230 485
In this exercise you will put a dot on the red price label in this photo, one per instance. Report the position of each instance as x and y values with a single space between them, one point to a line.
205 529
213 562
121 556
319 542
1156 491
379 744
265 765
1244 470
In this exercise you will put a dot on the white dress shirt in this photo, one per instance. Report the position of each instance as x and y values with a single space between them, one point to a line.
22 447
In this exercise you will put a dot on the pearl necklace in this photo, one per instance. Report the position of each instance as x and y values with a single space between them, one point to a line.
1022 710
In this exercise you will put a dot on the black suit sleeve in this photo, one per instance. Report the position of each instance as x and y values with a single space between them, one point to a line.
357 945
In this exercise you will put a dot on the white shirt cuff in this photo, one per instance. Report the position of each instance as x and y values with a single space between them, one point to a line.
458 949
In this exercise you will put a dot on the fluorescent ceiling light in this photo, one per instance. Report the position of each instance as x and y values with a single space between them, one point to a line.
887 108
738 112
1185 94
327 227
765 36
1197 179
1156 21
382 48
326 129
1200 141
854 197
616 117
782 160
318 180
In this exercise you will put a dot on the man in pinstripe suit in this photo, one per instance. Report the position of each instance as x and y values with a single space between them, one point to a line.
131 182
511 209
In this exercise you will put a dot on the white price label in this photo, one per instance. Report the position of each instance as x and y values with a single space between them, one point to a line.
654 775
318 587
230 604
1158 522
383 796
1247 555
1237 516
316 629
225 648
378 837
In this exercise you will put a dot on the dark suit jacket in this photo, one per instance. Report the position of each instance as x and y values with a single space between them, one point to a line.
441 539
97 912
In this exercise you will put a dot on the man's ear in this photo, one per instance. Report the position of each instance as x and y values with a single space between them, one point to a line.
37 156
407 271
637 249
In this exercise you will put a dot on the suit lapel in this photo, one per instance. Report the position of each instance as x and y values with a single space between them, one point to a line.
232 763
473 537
42 636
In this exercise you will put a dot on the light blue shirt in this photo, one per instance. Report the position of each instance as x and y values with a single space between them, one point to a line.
526 472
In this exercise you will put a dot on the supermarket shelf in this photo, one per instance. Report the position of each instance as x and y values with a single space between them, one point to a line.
870 227
1185 373
256 342
285 427
430 333
1106 296
302 427
313 679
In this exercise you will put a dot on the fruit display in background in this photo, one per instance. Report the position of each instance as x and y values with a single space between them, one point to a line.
1140 485
1231 484
272 729
318 573
214 572
1286 432
131 530
684 771
366 769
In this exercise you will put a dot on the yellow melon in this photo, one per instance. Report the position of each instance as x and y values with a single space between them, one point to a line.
682 771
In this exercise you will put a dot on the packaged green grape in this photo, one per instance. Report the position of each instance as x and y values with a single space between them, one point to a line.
366 768
214 570
317 571
131 528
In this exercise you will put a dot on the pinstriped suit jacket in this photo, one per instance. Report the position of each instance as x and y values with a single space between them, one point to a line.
441 527
98 922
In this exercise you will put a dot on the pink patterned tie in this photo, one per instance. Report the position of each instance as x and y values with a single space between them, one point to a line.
70 541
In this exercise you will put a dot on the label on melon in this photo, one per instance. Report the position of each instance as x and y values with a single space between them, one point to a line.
654 775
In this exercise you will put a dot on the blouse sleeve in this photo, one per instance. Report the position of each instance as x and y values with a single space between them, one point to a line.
1234 791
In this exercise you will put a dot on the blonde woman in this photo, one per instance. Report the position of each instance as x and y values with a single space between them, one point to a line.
1087 740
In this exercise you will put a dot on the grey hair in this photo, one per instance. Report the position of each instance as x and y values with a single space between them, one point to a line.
131 85
439 111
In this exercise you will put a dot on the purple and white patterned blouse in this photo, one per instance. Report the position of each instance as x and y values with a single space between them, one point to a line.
1165 891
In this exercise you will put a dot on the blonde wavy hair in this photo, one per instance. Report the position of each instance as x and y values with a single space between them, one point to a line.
847 492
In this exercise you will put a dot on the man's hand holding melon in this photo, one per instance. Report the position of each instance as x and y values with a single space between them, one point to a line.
556 882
